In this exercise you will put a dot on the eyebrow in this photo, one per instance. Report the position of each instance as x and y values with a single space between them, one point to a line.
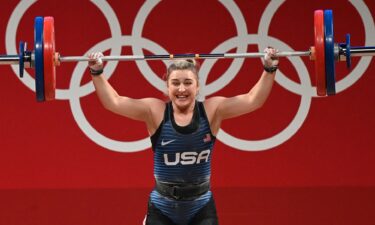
187 79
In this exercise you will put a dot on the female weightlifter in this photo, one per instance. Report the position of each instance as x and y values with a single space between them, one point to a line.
182 133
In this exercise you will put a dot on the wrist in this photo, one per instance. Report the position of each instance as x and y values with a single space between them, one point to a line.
270 69
96 72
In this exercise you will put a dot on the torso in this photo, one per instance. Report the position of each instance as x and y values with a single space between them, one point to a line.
184 149
183 146
182 119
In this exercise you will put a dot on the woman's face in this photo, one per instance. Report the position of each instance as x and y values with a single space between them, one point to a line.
182 88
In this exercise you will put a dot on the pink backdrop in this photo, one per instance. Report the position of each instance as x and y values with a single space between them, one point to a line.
295 140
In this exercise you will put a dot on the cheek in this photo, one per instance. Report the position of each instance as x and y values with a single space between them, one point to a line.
171 90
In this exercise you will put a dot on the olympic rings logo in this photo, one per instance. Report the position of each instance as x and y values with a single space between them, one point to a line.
240 42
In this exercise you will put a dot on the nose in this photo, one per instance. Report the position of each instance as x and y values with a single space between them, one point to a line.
181 88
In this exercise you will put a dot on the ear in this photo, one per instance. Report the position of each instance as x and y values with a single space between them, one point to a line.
167 86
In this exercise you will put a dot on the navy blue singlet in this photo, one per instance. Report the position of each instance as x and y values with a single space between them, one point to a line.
182 155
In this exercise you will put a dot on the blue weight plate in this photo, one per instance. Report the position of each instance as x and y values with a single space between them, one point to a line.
21 56
39 65
329 51
347 52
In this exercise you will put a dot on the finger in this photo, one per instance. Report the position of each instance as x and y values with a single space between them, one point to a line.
99 61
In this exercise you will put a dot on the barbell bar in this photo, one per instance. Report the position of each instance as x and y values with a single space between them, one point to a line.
181 56
324 52
15 59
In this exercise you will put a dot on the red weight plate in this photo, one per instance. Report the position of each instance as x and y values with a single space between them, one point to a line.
49 63
320 53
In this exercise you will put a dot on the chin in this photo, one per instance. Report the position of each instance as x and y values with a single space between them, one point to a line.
183 103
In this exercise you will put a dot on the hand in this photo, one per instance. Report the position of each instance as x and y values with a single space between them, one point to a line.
97 64
270 59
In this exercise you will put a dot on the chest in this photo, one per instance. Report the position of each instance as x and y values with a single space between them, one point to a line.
182 119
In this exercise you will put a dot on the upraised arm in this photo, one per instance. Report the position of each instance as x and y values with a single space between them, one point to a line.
148 110
221 108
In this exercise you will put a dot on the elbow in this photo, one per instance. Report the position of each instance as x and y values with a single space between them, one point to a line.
256 102
253 106
258 105
111 105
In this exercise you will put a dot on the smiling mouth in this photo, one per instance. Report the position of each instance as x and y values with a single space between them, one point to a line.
182 97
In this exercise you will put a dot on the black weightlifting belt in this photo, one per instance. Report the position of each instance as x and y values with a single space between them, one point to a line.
182 191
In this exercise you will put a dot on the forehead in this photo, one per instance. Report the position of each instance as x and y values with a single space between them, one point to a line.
182 74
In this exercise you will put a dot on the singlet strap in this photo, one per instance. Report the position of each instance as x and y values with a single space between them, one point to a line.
154 138
202 111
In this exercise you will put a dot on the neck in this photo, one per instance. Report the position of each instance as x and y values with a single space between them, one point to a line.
184 110
183 116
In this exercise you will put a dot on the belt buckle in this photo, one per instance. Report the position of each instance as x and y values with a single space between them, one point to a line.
174 193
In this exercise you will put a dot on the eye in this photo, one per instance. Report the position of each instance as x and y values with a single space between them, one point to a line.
175 83
188 82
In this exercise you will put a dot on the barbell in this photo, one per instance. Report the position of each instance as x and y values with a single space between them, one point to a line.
324 52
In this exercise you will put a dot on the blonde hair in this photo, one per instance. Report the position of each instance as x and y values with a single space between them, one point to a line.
183 64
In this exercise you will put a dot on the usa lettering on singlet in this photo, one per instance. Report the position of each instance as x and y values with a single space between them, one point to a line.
182 155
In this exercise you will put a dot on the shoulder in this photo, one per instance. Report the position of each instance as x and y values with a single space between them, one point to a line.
153 102
212 103
211 106
156 106
155 116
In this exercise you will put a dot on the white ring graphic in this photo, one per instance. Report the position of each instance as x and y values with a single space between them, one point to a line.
298 119
206 90
92 133
10 38
356 72
240 42
364 62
